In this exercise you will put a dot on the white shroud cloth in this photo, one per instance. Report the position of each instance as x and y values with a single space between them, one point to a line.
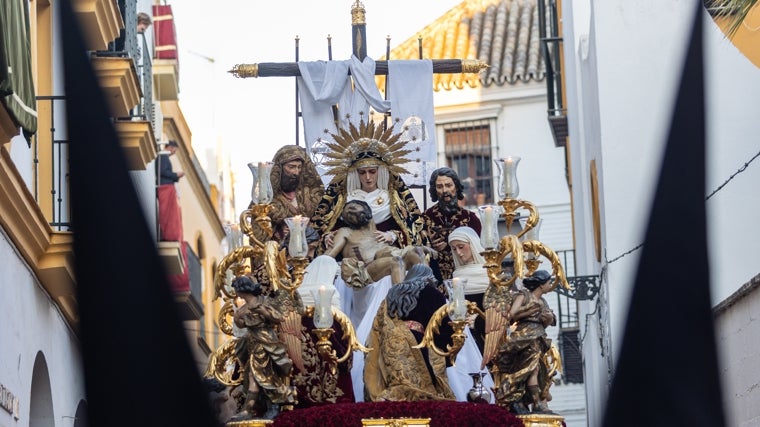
324 84
361 307
320 272
411 94
321 85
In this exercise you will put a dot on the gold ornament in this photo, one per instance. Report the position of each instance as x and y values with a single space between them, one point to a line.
365 146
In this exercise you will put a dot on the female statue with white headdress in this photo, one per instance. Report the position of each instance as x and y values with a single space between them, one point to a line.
366 165
466 251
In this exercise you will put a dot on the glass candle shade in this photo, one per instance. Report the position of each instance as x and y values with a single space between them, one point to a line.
261 191
254 168
297 245
323 317
531 234
508 186
457 303
233 237
489 218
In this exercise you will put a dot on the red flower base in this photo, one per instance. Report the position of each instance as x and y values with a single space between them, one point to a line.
440 413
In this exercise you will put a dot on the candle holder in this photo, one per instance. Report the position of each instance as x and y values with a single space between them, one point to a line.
457 338
489 234
298 247
261 190
323 334
508 185
457 307
531 260
324 347
498 297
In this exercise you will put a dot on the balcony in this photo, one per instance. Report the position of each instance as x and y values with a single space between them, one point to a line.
189 307
171 255
138 141
101 22
119 81
551 49
165 55
166 79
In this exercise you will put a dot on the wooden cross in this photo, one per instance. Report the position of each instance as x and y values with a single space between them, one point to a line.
358 42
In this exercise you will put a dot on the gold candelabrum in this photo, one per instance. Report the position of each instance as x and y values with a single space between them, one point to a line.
526 253
458 310
285 272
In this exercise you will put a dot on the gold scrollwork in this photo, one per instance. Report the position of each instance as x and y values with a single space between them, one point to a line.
221 365
235 260
226 310
557 271
434 325
511 206
509 244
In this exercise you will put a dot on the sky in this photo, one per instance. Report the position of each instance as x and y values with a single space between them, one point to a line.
249 119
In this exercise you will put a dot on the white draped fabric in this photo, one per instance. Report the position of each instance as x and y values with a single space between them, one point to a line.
320 272
361 306
378 200
361 309
411 94
321 85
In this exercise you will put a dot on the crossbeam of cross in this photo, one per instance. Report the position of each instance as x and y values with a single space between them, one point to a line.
359 35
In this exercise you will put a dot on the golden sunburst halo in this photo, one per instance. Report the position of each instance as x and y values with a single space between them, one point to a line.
363 146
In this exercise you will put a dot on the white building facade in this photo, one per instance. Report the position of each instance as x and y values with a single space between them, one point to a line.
623 64
503 112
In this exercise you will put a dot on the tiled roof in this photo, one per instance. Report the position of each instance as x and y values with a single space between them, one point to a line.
502 33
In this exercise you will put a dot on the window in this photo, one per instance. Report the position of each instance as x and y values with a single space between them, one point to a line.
572 359
468 152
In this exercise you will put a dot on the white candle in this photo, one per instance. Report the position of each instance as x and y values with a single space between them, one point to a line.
489 235
296 237
263 178
509 187
458 305
323 307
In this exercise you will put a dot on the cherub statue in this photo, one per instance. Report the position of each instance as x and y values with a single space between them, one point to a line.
264 357
523 366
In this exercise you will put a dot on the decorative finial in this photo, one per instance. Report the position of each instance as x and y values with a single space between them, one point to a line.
358 13
242 71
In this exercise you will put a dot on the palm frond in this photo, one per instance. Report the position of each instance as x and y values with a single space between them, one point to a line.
736 11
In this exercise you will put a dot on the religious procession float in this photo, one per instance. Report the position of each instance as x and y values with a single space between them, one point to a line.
346 304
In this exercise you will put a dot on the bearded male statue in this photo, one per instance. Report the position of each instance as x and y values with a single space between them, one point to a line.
296 185
446 215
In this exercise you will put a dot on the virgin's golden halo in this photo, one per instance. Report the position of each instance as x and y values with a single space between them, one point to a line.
367 145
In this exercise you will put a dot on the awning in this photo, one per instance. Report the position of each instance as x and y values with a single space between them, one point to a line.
16 84
164 31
